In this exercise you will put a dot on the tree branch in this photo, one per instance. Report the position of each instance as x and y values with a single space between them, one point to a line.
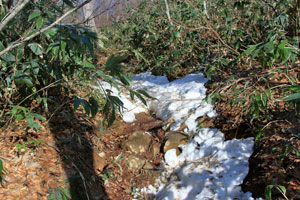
13 12
18 43
168 12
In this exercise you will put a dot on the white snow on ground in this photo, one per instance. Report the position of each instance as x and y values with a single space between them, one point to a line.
180 99
208 167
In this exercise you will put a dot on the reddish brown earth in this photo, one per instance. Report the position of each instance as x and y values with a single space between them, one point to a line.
66 157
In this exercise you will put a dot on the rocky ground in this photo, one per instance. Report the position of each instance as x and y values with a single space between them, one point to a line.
70 155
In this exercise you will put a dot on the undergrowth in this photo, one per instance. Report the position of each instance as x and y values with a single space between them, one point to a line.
248 49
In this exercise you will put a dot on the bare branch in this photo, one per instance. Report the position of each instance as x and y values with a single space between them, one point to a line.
14 11
168 12
21 41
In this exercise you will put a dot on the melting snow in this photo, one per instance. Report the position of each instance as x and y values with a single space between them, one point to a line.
208 167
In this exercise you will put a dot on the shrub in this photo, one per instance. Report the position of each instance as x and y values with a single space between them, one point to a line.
58 60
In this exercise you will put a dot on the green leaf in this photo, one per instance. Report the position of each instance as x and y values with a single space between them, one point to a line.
94 106
268 192
124 79
19 117
20 52
85 104
63 45
8 57
34 14
286 54
39 22
39 117
249 50
112 117
51 31
113 64
141 98
282 44
116 101
55 50
295 88
65 193
23 79
89 65
59 194
291 97
2 171
36 48
29 120
143 92
282 188
77 103
69 3
1 46
119 157
138 54
131 95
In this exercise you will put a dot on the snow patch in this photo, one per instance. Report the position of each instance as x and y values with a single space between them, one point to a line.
180 100
208 167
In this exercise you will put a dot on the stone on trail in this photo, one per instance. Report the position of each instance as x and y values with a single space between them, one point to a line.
174 140
138 142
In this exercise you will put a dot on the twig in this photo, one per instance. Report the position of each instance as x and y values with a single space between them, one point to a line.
271 122
102 12
18 43
48 86
168 12
14 11
235 82
220 39
59 107
216 33
82 177
283 194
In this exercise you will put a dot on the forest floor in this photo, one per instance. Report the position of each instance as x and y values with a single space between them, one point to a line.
71 154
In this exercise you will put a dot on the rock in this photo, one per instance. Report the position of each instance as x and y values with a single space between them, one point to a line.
138 142
206 122
146 122
174 139
153 176
155 149
99 160
148 166
135 163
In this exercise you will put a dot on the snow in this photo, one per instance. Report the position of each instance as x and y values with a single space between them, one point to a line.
179 100
208 166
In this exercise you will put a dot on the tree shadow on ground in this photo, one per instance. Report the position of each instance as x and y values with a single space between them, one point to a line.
274 161
72 140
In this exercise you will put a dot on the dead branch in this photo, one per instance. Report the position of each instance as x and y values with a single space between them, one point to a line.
168 12
21 41
12 13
